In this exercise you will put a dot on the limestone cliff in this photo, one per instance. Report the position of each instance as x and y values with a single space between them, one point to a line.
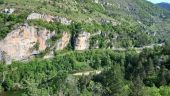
20 43
82 41
27 41
1 55
63 42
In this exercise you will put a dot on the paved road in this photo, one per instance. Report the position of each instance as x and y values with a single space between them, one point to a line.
86 73
138 49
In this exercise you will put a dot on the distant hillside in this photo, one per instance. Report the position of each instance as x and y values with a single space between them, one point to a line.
164 5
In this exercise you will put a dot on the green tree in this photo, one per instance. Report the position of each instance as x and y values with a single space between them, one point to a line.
113 80
7 84
1 1
152 91
150 73
165 90
167 47
162 76
137 87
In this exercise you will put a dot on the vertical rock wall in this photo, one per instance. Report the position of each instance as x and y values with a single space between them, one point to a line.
82 41
63 42
20 43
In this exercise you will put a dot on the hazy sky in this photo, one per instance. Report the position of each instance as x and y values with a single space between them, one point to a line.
158 1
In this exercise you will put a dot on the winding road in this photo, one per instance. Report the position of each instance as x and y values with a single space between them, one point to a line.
86 73
96 72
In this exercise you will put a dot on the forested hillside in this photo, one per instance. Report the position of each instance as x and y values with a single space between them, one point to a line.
164 5
84 48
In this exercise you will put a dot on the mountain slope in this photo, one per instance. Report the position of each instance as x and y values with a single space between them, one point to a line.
116 23
164 5
53 48
148 15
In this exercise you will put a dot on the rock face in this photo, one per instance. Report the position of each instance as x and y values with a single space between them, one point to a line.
20 43
62 20
82 41
49 55
49 18
44 17
8 10
63 42
1 55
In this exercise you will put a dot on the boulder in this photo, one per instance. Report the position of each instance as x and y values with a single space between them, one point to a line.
44 17
49 55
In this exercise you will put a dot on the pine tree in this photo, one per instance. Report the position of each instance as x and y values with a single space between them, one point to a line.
150 68
137 87
114 81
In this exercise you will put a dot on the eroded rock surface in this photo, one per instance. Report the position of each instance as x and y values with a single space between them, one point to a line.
1 55
82 41
20 43
49 55
8 11
63 42
49 18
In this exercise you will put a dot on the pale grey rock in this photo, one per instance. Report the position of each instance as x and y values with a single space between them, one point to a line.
1 55
63 41
97 33
49 55
7 59
82 41
49 18
96 1
35 52
8 11
44 17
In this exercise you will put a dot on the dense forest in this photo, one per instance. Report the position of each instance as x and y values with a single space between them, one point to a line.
125 73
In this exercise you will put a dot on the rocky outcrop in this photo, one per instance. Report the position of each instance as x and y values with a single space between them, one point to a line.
49 55
20 43
49 18
82 41
63 42
8 11
44 17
